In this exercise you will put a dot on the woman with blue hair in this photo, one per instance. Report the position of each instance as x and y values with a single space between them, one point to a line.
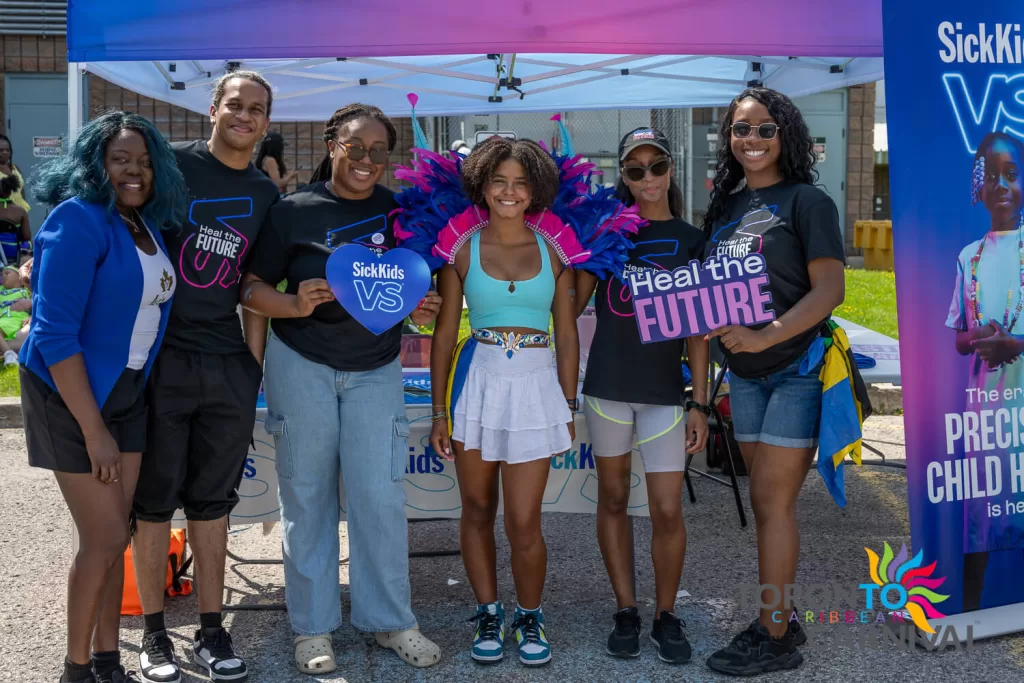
102 286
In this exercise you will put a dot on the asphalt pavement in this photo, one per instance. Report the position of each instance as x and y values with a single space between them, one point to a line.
36 546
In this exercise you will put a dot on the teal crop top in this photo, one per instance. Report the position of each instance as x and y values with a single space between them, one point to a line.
490 303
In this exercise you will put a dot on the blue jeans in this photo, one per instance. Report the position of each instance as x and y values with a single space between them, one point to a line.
326 423
780 409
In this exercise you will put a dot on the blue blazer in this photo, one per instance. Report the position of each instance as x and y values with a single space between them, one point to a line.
86 293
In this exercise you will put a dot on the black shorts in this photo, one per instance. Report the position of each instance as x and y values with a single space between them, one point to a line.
202 411
53 436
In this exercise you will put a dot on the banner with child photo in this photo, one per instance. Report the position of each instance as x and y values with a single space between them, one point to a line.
954 80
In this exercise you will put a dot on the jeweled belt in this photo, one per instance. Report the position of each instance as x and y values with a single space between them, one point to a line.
512 342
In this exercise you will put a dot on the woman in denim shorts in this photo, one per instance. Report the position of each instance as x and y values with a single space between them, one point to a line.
765 202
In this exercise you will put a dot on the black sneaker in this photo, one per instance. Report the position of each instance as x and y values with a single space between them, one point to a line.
754 652
667 634
118 675
212 651
624 640
797 633
88 679
793 630
157 663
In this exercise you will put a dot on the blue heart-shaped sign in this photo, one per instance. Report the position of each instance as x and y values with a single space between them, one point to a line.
378 291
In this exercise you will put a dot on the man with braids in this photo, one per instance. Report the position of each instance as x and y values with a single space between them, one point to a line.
205 383
764 202
335 403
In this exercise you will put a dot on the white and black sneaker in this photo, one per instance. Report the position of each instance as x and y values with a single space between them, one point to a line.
156 660
212 651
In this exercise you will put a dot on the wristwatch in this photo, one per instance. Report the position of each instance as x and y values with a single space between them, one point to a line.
691 404
573 403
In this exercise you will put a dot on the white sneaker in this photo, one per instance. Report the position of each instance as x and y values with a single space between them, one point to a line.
10 358
213 652
157 661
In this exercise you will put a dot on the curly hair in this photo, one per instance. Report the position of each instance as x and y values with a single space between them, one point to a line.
342 116
796 162
9 185
541 171
79 171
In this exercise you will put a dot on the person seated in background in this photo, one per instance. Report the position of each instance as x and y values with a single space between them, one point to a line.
14 224
270 160
15 308
25 273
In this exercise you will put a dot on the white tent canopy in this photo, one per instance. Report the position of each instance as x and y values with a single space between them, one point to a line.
312 89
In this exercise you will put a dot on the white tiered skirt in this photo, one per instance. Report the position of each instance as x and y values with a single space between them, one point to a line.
512 409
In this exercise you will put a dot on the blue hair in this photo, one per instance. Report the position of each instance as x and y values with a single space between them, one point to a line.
80 172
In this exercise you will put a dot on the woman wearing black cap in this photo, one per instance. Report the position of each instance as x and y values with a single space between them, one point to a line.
634 390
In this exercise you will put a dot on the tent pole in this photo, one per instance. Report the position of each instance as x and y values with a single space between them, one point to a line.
76 90
76 108
688 152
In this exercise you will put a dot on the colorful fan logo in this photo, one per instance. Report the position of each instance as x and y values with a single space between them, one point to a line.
914 584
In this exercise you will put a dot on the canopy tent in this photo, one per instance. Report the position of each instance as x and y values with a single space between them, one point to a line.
607 55
311 89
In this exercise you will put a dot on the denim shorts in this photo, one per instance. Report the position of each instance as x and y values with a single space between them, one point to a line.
781 409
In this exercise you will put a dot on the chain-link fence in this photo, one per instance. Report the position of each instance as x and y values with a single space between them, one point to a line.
596 135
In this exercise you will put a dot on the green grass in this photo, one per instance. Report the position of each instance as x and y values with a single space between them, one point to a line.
9 385
871 301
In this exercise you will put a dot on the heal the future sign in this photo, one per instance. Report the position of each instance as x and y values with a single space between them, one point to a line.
697 298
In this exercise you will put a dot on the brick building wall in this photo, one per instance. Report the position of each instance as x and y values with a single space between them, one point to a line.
30 54
860 159
304 147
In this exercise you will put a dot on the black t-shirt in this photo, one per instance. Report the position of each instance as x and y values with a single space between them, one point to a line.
227 208
302 230
620 367
790 225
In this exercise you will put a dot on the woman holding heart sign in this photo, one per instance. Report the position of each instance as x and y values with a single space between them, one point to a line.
335 404
517 221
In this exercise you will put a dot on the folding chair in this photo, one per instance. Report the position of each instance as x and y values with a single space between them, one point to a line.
716 425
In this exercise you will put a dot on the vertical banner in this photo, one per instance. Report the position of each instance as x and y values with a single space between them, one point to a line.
954 86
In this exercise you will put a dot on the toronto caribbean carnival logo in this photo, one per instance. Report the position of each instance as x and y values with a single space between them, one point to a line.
913 585
896 606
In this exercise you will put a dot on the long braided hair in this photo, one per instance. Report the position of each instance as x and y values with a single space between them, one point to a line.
796 161
342 116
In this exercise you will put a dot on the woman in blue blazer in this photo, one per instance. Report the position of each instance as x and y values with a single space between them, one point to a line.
102 285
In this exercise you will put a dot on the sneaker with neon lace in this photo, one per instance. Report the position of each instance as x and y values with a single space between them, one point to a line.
489 639
528 627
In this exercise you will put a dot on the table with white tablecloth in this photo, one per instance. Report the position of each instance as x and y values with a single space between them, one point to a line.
430 482
885 351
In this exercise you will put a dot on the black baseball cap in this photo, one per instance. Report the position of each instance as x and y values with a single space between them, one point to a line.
643 136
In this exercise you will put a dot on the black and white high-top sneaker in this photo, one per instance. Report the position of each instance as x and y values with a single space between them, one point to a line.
211 649
156 660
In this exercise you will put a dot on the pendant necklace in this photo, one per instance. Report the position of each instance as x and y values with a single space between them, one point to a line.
130 223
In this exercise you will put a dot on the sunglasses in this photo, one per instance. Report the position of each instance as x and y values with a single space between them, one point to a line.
765 131
357 153
636 173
